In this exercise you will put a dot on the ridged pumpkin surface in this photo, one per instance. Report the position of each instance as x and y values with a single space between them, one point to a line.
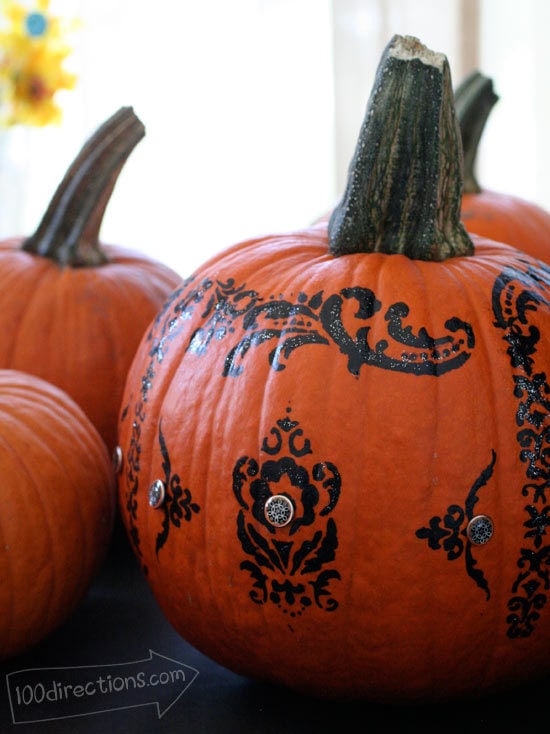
78 327
58 503
509 219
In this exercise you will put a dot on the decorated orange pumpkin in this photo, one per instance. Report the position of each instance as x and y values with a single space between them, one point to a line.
492 214
72 310
334 441
58 503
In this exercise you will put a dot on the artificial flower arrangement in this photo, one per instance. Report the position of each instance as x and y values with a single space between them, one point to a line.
33 49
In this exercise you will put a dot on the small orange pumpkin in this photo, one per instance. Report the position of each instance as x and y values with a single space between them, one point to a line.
492 214
72 310
334 441
58 503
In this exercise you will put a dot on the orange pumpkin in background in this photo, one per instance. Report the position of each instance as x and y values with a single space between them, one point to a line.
499 216
58 508
333 441
72 310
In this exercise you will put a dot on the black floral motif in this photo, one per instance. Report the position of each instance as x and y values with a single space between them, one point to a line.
450 533
178 504
289 566
167 323
133 465
528 591
517 295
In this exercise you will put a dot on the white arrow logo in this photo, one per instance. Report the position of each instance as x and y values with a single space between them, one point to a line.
43 694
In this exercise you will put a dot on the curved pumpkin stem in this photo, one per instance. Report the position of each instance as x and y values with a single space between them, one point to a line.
404 189
474 100
69 230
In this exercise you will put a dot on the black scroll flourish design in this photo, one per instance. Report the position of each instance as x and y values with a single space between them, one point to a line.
292 324
132 468
168 323
320 320
227 303
292 566
419 353
219 304
236 313
449 534
519 294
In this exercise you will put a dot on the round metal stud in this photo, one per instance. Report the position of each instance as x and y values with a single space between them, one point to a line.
480 530
157 492
117 459
278 510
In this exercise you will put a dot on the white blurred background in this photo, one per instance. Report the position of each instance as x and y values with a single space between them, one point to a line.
252 108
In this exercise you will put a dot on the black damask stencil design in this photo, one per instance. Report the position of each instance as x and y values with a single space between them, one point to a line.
166 322
133 466
449 533
178 502
291 567
517 295
345 319
245 319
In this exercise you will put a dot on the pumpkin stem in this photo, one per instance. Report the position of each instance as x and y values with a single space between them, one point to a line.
69 230
474 100
404 189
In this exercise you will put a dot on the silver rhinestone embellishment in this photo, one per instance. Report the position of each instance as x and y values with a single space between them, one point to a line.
156 493
480 529
117 460
278 510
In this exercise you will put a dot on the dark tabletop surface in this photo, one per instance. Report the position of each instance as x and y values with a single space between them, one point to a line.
119 633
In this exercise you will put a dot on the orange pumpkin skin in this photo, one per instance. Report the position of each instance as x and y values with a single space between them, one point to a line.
58 504
508 219
78 327
391 401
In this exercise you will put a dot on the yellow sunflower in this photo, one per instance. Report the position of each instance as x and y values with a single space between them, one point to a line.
33 50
